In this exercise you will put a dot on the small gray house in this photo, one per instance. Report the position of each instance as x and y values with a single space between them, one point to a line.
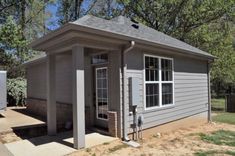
114 75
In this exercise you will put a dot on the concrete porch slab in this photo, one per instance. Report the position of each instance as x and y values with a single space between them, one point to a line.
58 145
15 117
4 151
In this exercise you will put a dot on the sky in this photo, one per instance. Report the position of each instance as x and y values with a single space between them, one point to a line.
52 22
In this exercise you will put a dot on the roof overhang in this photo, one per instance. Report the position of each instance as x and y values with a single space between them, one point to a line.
70 35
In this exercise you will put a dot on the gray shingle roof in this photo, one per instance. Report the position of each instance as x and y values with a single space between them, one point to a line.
123 26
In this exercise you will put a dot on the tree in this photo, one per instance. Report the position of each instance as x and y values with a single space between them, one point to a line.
11 46
106 9
206 24
71 10
21 21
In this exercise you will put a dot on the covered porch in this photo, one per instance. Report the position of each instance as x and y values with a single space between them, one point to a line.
95 97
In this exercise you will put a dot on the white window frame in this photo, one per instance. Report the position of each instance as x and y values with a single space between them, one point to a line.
159 82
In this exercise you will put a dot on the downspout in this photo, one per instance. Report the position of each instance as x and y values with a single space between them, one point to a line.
124 89
209 92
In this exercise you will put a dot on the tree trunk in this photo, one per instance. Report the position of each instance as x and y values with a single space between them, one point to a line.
22 17
77 9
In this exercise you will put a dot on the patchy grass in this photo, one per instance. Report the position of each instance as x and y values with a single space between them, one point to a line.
88 150
106 143
225 118
206 153
214 152
230 153
220 137
218 104
118 147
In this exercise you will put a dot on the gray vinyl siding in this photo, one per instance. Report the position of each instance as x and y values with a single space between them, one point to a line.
114 86
3 90
190 88
36 80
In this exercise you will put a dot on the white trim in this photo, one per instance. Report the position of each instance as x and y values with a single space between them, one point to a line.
3 71
96 102
159 82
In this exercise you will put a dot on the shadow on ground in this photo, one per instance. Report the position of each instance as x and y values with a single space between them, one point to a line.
217 109
26 112
57 138
37 133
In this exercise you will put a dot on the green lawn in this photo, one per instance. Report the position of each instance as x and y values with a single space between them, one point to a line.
220 137
218 104
224 118
214 152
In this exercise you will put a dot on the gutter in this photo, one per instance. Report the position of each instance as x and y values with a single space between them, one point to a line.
124 89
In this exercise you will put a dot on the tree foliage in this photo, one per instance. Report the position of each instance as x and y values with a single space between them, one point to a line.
71 10
106 9
16 91
13 47
21 21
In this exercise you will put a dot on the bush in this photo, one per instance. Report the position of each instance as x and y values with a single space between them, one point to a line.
16 91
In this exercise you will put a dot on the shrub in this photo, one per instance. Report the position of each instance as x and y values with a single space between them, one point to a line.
16 91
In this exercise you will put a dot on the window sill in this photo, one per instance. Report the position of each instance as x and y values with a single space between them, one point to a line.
154 109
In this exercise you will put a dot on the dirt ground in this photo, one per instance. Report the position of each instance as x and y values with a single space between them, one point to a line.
180 142
9 137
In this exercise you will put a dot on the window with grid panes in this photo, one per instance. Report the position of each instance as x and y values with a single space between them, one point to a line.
158 81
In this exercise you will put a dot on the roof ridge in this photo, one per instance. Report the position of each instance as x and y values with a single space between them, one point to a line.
82 19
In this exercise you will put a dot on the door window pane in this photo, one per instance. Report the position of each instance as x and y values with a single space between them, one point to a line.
102 93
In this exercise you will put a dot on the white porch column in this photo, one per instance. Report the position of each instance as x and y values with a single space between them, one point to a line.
51 95
78 97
